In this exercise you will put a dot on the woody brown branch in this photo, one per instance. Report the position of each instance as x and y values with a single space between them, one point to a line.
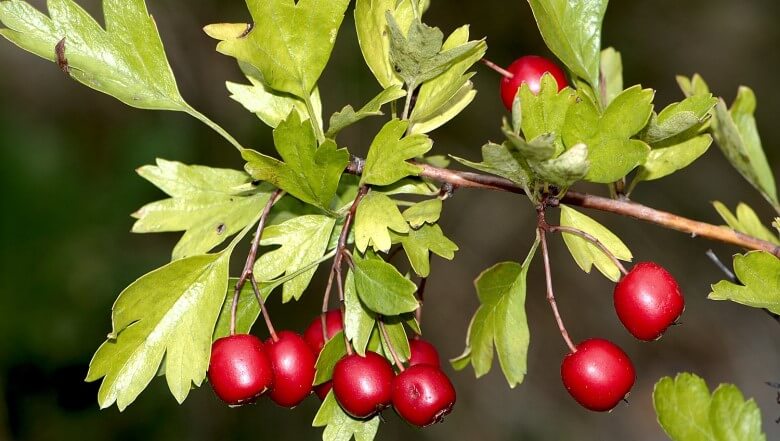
634 210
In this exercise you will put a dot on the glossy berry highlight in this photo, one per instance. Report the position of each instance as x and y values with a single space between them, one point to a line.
423 395
293 366
240 369
598 375
648 300
363 386
529 69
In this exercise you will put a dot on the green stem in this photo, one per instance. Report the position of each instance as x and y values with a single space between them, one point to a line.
314 120
408 104
216 127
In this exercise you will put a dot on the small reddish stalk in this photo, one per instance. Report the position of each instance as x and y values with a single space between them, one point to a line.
503 72
263 309
420 297
590 238
542 228
393 353
248 272
335 270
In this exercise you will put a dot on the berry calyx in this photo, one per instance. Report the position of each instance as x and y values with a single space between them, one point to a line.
293 367
313 334
363 386
423 395
529 69
423 352
240 369
648 300
598 375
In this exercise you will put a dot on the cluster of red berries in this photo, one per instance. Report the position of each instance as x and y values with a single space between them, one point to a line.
243 368
647 301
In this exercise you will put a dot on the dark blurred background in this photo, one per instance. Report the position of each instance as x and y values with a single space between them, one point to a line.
67 156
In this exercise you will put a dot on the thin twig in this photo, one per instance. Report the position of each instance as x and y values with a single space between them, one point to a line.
548 279
621 207
590 238
420 298
393 353
248 271
335 270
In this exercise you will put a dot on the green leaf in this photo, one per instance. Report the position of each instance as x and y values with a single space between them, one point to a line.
736 133
664 161
341 427
271 106
333 351
302 240
611 82
167 314
374 37
418 55
207 203
758 273
375 216
358 319
572 31
498 159
382 288
612 154
566 169
585 253
397 339
444 97
416 187
387 158
500 319
247 311
693 86
126 60
309 173
425 212
349 116
678 118
539 149
746 221
545 113
290 42
420 243
687 412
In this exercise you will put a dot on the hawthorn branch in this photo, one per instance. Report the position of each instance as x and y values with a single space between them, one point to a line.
461 179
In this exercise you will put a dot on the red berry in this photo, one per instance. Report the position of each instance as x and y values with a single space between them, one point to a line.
313 334
293 364
648 300
423 395
423 353
598 375
239 370
363 385
529 69
323 389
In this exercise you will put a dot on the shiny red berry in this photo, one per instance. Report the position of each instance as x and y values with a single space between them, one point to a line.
322 390
293 365
423 352
648 300
313 334
423 395
363 385
599 375
240 369
529 69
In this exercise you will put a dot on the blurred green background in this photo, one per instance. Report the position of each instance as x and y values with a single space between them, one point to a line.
67 156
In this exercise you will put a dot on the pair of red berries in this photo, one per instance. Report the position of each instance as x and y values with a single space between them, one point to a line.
599 374
364 386
242 368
